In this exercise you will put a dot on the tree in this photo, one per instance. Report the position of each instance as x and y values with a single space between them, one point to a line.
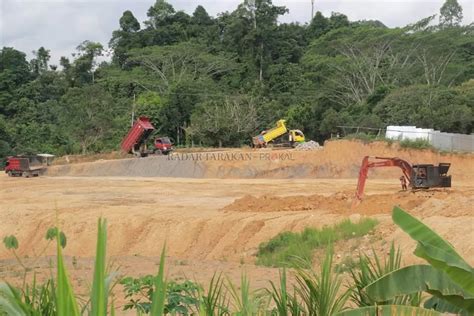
85 64
150 104
450 14
167 66
201 17
337 20
40 62
158 13
226 122
126 38
128 23
14 71
14 65
319 25
428 107
87 114
332 120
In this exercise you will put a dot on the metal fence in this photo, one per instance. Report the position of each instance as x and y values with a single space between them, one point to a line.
437 139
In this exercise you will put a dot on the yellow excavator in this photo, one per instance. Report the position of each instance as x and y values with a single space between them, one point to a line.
295 136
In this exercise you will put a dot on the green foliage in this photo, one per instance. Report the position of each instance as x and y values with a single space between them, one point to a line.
424 105
321 293
420 143
285 303
180 295
434 249
246 302
450 14
99 295
371 268
66 303
158 296
449 278
389 310
53 232
283 249
10 242
330 72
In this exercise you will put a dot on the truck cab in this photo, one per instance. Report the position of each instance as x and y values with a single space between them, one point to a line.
296 136
163 145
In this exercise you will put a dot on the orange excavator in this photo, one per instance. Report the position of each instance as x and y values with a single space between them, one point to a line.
420 176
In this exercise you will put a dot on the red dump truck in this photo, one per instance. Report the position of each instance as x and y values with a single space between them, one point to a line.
27 166
136 140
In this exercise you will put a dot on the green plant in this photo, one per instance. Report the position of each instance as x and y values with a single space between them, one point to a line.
180 296
448 278
321 293
246 302
32 299
215 300
285 247
285 304
57 298
367 270
419 143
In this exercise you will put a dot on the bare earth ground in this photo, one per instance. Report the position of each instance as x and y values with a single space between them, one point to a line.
211 225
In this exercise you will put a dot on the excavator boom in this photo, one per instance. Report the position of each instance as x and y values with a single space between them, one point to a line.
381 162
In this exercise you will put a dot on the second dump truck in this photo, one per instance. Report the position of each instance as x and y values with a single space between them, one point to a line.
28 166
294 136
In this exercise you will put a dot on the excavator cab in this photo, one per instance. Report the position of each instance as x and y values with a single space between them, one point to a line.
426 176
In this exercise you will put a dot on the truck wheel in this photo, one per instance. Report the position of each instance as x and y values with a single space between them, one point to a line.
25 174
9 173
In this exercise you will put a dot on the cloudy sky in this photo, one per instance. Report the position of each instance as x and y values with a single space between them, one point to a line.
60 25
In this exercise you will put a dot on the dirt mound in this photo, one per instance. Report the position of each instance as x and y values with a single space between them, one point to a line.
338 203
337 159
311 145
270 203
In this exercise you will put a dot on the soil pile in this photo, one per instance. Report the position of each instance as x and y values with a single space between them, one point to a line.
339 203
311 145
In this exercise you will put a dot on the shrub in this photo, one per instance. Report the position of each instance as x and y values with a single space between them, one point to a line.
419 143
282 249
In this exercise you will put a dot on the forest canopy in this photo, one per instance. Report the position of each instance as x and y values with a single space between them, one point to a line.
217 81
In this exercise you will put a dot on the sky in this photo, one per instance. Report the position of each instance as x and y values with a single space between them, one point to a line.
61 25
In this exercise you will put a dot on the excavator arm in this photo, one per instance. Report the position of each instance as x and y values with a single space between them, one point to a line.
406 167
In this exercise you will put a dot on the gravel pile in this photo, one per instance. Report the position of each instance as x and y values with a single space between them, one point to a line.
311 145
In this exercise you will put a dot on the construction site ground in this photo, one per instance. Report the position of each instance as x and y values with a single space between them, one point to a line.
214 219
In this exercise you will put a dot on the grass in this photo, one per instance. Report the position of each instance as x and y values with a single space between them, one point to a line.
368 138
418 143
281 250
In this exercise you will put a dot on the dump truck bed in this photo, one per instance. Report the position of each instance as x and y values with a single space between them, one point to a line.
138 134
271 134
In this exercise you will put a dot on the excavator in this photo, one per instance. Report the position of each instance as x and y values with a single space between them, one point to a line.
420 176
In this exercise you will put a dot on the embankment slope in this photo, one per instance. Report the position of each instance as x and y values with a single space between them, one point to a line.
337 159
